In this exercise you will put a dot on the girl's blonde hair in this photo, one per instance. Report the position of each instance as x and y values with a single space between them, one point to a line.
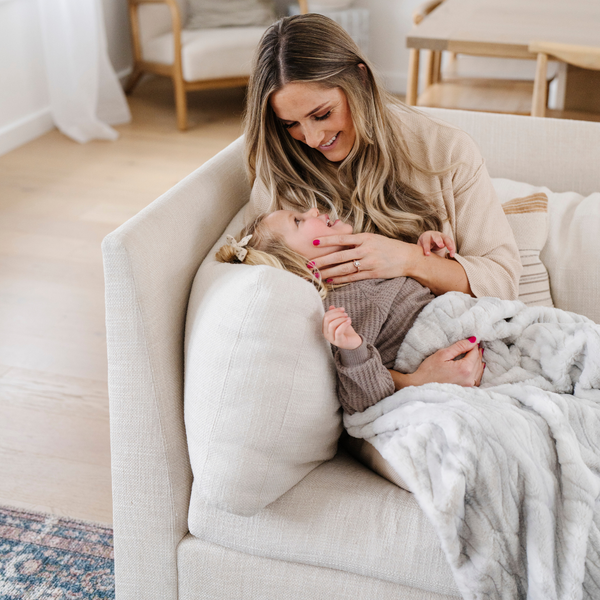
368 187
265 247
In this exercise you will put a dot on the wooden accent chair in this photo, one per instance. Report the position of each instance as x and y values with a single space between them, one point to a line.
195 59
468 82
585 57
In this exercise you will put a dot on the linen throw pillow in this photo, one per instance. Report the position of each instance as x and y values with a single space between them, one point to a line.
572 251
207 14
261 408
528 219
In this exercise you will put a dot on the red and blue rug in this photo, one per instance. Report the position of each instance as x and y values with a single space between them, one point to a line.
47 557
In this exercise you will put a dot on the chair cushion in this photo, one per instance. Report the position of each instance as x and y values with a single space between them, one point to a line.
206 14
208 53
261 408
341 516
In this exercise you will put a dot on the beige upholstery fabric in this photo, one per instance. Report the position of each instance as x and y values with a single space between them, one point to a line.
205 14
149 264
556 153
340 516
251 577
572 252
208 53
261 408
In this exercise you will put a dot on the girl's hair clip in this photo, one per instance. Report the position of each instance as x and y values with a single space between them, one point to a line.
239 247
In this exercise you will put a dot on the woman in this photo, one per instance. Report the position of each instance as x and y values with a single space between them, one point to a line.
320 132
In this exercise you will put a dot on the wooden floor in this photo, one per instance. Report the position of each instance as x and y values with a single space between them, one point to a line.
58 199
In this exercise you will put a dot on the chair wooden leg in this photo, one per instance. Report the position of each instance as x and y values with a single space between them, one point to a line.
437 67
412 87
429 68
180 103
538 103
133 80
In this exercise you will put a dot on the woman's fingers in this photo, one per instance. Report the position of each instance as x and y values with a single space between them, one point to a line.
352 239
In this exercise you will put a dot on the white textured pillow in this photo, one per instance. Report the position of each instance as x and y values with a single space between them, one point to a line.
207 14
572 251
261 408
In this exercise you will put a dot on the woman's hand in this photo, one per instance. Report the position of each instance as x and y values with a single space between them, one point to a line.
338 330
445 366
379 257
438 243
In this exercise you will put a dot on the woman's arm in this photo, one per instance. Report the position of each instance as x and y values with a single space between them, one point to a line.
384 258
487 261
445 366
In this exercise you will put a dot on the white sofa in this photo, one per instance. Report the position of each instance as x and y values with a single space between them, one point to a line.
343 531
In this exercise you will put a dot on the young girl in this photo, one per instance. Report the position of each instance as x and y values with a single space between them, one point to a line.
383 310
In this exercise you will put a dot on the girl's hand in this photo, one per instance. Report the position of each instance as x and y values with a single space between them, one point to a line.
437 242
447 366
338 330
379 257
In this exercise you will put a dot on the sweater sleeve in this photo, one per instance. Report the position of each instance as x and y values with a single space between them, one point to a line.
362 378
486 246
485 242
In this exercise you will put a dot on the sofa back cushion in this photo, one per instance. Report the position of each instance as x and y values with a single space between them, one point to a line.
261 409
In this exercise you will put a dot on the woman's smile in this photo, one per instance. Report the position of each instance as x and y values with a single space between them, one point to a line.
317 116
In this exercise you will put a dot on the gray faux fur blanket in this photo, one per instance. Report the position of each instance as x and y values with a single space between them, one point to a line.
508 473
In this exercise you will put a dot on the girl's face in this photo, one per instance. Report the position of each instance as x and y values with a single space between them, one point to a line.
299 230
317 116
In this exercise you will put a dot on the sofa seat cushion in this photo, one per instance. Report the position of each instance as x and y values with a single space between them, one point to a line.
340 516
216 53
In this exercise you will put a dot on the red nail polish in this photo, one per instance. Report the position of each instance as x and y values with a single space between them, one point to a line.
328 280
310 264
317 275
316 242
472 339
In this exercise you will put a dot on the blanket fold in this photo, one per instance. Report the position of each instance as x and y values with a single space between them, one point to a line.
508 473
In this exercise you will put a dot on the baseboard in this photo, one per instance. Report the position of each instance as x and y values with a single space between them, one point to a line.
24 130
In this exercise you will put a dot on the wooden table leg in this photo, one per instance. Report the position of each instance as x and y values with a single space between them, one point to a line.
412 88
538 104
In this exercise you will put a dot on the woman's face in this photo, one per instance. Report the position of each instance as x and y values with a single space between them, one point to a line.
317 116
299 230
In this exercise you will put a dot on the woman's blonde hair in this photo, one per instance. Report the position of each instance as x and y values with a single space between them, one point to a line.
368 187
265 247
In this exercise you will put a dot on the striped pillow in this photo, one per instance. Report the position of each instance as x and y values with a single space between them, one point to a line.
528 218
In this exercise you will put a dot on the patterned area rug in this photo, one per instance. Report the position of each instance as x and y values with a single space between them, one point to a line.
45 557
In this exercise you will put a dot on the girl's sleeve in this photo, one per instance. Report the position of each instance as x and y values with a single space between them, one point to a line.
485 242
362 378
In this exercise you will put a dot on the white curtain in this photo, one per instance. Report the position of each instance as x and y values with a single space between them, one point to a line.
85 94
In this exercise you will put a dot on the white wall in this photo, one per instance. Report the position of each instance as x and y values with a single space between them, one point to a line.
24 104
390 21
24 101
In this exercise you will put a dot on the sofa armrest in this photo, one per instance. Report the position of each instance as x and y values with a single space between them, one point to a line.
150 263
